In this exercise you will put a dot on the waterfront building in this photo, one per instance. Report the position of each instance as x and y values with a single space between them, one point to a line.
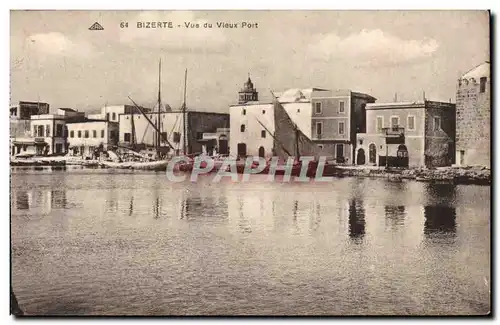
112 113
337 116
48 133
134 129
408 134
24 110
87 138
329 118
474 117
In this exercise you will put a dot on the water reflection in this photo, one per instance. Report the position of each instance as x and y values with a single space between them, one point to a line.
244 223
315 218
356 219
394 215
440 193
439 220
58 199
193 208
47 199
131 206
22 200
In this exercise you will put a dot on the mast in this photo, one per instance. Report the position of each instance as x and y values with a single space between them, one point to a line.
158 122
184 136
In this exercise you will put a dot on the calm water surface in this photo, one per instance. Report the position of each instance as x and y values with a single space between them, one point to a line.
103 242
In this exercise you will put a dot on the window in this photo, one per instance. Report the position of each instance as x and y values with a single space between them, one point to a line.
72 134
107 116
298 110
86 134
79 134
177 137
199 135
59 130
320 146
114 116
94 133
482 84
341 107
394 121
126 137
341 128
263 111
437 123
263 133
47 131
102 133
411 122
380 123
244 112
41 130
242 128
319 128
163 136
317 107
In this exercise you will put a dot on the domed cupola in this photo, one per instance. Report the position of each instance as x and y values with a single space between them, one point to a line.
248 93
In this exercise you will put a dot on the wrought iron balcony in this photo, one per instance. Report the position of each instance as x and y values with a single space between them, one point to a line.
394 131
394 135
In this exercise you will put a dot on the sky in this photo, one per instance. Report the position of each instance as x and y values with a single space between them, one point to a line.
55 58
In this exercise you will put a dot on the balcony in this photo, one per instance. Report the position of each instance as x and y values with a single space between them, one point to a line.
39 140
394 135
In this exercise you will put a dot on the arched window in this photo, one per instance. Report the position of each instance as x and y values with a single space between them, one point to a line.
242 128
261 152
372 151
402 151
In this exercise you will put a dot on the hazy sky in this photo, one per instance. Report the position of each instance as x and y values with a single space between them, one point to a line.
56 58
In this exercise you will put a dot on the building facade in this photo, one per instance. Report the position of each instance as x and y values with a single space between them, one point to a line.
112 113
24 110
337 116
252 123
185 138
474 117
408 134
49 133
87 138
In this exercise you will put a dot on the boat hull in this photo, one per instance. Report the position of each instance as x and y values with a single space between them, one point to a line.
154 165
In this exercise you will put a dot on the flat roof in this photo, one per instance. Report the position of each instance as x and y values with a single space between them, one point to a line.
415 104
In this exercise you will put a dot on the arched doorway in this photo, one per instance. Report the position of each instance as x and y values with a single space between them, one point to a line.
223 145
242 149
261 152
402 156
372 152
360 159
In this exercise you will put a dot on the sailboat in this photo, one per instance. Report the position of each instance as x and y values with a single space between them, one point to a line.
289 141
159 163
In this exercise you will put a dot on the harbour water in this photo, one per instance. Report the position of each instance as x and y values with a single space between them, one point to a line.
88 242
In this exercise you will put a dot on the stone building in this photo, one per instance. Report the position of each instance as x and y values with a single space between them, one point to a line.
135 128
408 134
474 117
337 116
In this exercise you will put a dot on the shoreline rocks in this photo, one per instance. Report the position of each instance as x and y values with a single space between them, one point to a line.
454 175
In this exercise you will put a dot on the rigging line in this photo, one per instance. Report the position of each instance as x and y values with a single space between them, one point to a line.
283 147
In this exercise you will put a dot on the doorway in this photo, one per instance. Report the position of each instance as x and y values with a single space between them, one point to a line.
340 153
360 159
261 152
242 149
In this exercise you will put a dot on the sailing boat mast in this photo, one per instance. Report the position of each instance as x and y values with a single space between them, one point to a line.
184 136
158 122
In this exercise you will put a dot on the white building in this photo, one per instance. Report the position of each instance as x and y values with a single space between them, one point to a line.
48 131
84 138
112 113
249 137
